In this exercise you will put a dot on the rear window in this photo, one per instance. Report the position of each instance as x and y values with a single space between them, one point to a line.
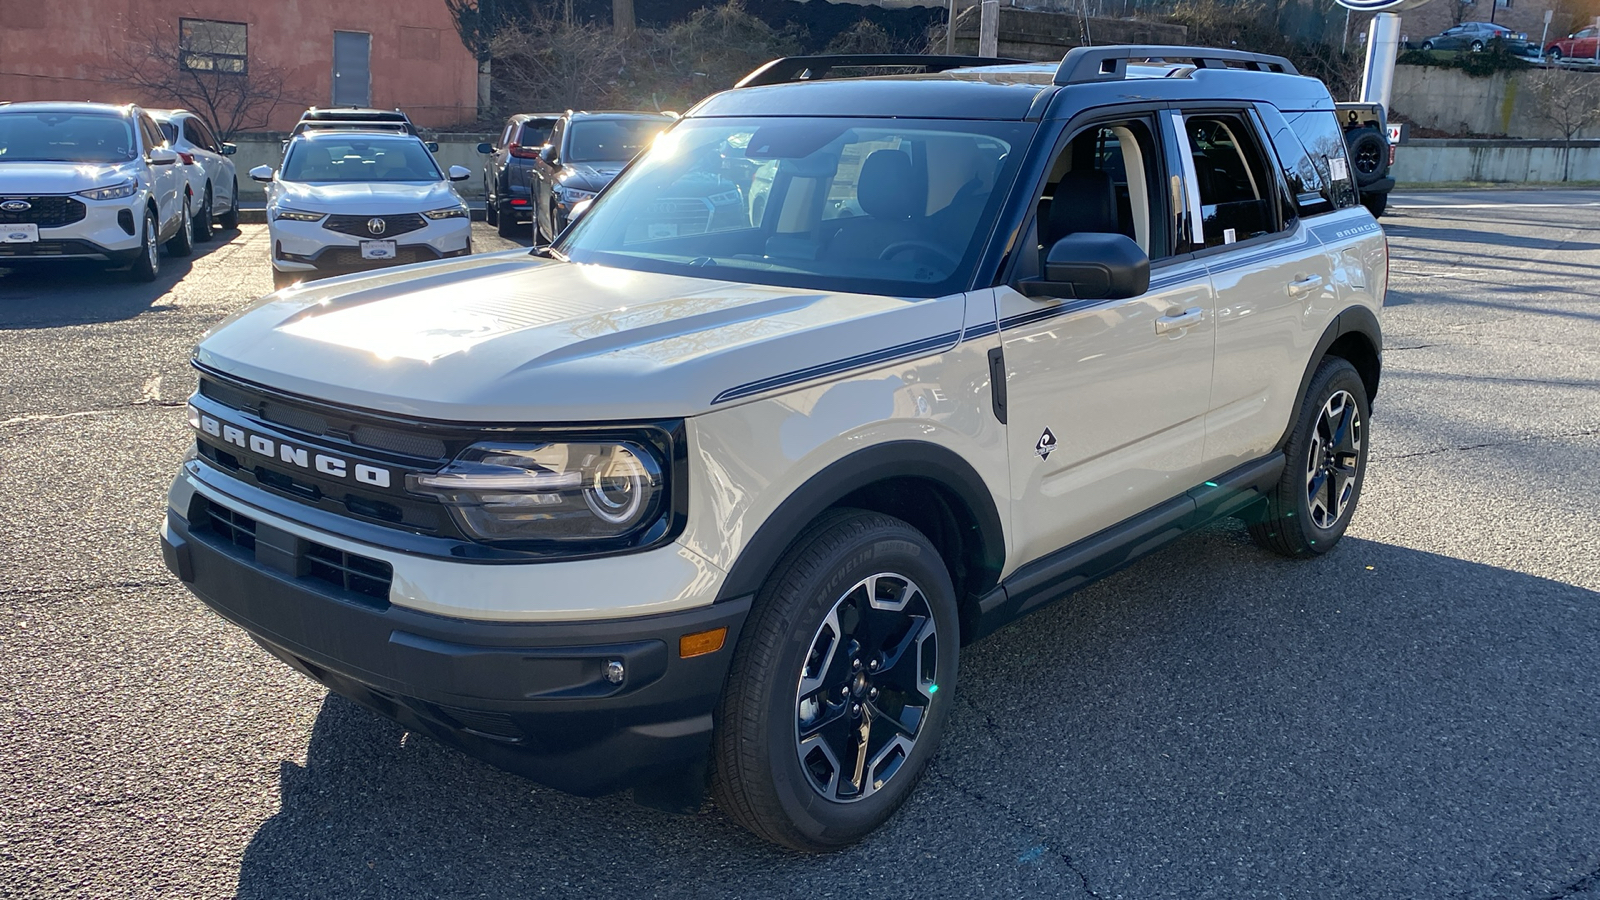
536 132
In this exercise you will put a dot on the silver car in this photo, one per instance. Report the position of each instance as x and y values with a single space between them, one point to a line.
218 189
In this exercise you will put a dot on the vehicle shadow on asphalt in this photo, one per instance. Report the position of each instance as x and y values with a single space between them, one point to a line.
1381 721
82 293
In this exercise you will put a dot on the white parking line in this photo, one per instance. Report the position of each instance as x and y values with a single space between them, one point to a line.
1507 205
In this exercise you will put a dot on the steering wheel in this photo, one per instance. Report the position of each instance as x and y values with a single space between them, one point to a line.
898 247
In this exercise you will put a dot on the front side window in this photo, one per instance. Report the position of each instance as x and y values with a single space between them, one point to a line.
1237 189
208 46
893 206
66 137
1107 179
610 140
357 159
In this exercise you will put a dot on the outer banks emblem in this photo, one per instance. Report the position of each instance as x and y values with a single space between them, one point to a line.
1047 443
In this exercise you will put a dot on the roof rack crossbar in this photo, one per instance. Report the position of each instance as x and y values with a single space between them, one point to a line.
810 68
1084 65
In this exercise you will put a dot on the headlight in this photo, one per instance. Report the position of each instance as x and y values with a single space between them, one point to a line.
454 212
295 215
112 192
573 195
557 491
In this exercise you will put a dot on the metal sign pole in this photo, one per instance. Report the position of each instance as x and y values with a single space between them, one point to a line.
1383 45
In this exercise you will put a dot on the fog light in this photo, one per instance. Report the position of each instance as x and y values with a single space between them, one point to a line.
614 671
702 642
125 220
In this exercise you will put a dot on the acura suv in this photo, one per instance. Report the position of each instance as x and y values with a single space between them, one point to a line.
349 201
90 182
670 508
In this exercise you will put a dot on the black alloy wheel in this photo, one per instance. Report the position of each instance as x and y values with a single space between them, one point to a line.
1309 509
840 685
1369 154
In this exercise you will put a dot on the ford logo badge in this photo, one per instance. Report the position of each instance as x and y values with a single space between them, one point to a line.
16 206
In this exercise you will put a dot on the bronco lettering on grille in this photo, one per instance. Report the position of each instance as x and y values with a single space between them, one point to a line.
302 457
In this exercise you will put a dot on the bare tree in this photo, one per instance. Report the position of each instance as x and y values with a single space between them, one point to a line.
1569 102
479 23
203 71
549 63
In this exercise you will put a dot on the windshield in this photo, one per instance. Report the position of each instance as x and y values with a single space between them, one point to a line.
890 206
65 137
611 140
359 159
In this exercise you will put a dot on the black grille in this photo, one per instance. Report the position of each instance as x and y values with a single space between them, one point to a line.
36 249
357 226
360 575
350 258
46 212
349 571
315 423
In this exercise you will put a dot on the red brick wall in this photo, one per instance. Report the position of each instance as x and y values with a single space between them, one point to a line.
66 50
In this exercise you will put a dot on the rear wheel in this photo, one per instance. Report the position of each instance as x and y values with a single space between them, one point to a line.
1308 511
507 223
1427 45
1476 46
182 243
840 686
202 222
230 219
491 211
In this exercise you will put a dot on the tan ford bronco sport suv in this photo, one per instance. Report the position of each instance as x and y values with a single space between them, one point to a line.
844 372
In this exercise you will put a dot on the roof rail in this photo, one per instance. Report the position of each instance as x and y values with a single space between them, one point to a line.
1083 65
811 68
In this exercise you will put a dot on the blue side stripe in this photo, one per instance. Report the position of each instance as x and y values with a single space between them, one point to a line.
859 361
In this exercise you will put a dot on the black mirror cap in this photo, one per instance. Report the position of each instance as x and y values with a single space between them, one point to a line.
548 153
433 146
1093 266
485 149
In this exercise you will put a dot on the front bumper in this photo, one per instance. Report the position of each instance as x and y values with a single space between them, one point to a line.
530 697
309 247
108 231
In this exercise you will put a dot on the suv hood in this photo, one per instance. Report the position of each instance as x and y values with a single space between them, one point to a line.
510 337
62 177
367 197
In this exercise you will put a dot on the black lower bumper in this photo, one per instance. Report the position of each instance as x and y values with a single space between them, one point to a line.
531 698
1381 186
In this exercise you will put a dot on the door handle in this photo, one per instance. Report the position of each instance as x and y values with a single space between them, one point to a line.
1191 316
1301 285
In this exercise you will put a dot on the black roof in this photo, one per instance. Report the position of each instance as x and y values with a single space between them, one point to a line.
976 88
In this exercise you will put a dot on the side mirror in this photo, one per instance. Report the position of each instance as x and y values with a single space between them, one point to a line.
485 148
548 153
1092 266
162 156
460 173
229 149
261 173
433 146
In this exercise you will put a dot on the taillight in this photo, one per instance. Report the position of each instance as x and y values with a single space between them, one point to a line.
521 152
188 158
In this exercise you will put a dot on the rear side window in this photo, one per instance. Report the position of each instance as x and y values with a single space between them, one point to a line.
1323 142
1238 192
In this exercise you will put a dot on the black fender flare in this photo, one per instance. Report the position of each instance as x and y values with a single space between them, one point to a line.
892 459
1353 320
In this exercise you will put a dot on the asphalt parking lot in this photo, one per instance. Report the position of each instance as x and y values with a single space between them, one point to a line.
1415 715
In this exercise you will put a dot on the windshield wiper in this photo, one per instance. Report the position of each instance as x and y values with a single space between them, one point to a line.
549 252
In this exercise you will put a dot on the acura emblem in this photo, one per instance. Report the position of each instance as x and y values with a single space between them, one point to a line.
377 226
16 206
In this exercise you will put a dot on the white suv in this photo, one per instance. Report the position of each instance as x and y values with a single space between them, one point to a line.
87 181
218 184
347 201
715 492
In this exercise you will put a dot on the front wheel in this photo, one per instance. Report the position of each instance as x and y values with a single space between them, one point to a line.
1554 53
1477 46
840 686
148 264
1309 509
1427 45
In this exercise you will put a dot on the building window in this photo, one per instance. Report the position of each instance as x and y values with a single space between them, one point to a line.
212 46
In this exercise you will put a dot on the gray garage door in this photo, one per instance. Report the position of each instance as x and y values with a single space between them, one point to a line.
352 68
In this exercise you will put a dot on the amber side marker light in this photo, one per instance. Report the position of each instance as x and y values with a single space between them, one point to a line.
702 642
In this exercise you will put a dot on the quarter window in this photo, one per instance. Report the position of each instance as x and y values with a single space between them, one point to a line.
209 46
1319 133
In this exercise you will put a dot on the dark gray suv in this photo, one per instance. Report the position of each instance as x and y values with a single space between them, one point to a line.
507 173
586 150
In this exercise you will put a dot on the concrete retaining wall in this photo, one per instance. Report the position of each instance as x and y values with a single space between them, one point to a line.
1503 103
1434 161
454 150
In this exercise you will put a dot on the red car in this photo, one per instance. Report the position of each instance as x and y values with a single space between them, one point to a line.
1581 44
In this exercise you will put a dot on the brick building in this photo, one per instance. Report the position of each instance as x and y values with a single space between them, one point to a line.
399 53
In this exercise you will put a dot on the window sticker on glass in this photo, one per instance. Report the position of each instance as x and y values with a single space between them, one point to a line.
1338 168
1229 236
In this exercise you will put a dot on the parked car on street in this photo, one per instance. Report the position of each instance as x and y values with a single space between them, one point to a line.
1473 36
1581 44
653 507
355 200
508 175
218 188
90 181
586 150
